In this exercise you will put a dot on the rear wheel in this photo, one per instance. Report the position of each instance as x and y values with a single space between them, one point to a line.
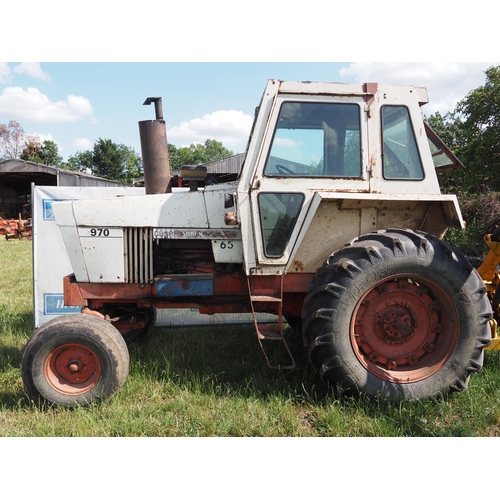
74 360
397 314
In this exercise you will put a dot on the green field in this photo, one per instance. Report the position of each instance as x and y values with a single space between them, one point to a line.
208 381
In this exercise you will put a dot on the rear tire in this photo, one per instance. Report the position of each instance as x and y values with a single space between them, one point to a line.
396 314
74 360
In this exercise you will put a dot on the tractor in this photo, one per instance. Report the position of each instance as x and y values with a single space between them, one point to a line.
334 224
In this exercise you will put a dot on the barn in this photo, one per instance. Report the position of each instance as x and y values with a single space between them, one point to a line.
16 177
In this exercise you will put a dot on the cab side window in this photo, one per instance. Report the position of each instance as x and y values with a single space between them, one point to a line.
278 215
400 153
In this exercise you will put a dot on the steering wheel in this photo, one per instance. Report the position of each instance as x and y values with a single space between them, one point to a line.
284 170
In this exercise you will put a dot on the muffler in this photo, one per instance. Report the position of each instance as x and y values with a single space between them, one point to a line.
154 148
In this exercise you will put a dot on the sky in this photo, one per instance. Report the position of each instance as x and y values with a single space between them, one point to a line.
210 62
75 103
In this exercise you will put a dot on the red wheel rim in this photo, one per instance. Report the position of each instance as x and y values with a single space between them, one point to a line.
72 369
404 329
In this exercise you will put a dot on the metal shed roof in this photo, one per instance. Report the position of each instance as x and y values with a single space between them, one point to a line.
227 165
19 174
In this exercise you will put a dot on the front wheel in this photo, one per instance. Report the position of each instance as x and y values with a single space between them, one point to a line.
74 360
397 314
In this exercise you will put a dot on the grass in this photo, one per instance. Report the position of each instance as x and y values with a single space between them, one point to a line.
209 381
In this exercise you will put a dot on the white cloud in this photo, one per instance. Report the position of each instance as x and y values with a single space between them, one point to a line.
5 72
32 105
285 143
446 83
45 137
32 69
229 127
82 144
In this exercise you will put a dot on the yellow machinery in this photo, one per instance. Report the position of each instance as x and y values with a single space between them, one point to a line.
488 271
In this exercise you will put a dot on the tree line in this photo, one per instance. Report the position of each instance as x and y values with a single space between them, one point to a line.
106 159
472 132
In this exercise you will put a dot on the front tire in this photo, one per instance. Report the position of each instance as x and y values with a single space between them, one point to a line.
74 360
397 314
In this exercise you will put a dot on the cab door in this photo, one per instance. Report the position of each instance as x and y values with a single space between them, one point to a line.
314 143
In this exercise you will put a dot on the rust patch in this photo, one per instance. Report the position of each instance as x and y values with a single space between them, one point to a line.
72 292
371 89
298 266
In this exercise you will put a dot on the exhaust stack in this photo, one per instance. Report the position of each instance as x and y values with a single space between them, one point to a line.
154 148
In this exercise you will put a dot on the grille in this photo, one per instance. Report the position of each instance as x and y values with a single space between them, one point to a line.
138 254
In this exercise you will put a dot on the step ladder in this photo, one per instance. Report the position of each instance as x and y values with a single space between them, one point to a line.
273 331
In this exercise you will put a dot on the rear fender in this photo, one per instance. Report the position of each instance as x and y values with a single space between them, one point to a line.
334 219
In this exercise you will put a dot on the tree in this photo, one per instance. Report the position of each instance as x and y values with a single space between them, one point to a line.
133 164
81 161
46 153
214 150
480 132
196 154
14 143
108 160
49 154
31 148
11 140
174 158
446 127
472 132
115 161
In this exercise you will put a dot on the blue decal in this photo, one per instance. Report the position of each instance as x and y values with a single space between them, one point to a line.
48 213
53 304
184 287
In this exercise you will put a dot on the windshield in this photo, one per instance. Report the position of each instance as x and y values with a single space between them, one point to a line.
316 140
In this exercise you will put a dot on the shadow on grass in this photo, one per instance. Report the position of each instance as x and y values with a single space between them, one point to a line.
12 395
228 360
15 330
16 400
